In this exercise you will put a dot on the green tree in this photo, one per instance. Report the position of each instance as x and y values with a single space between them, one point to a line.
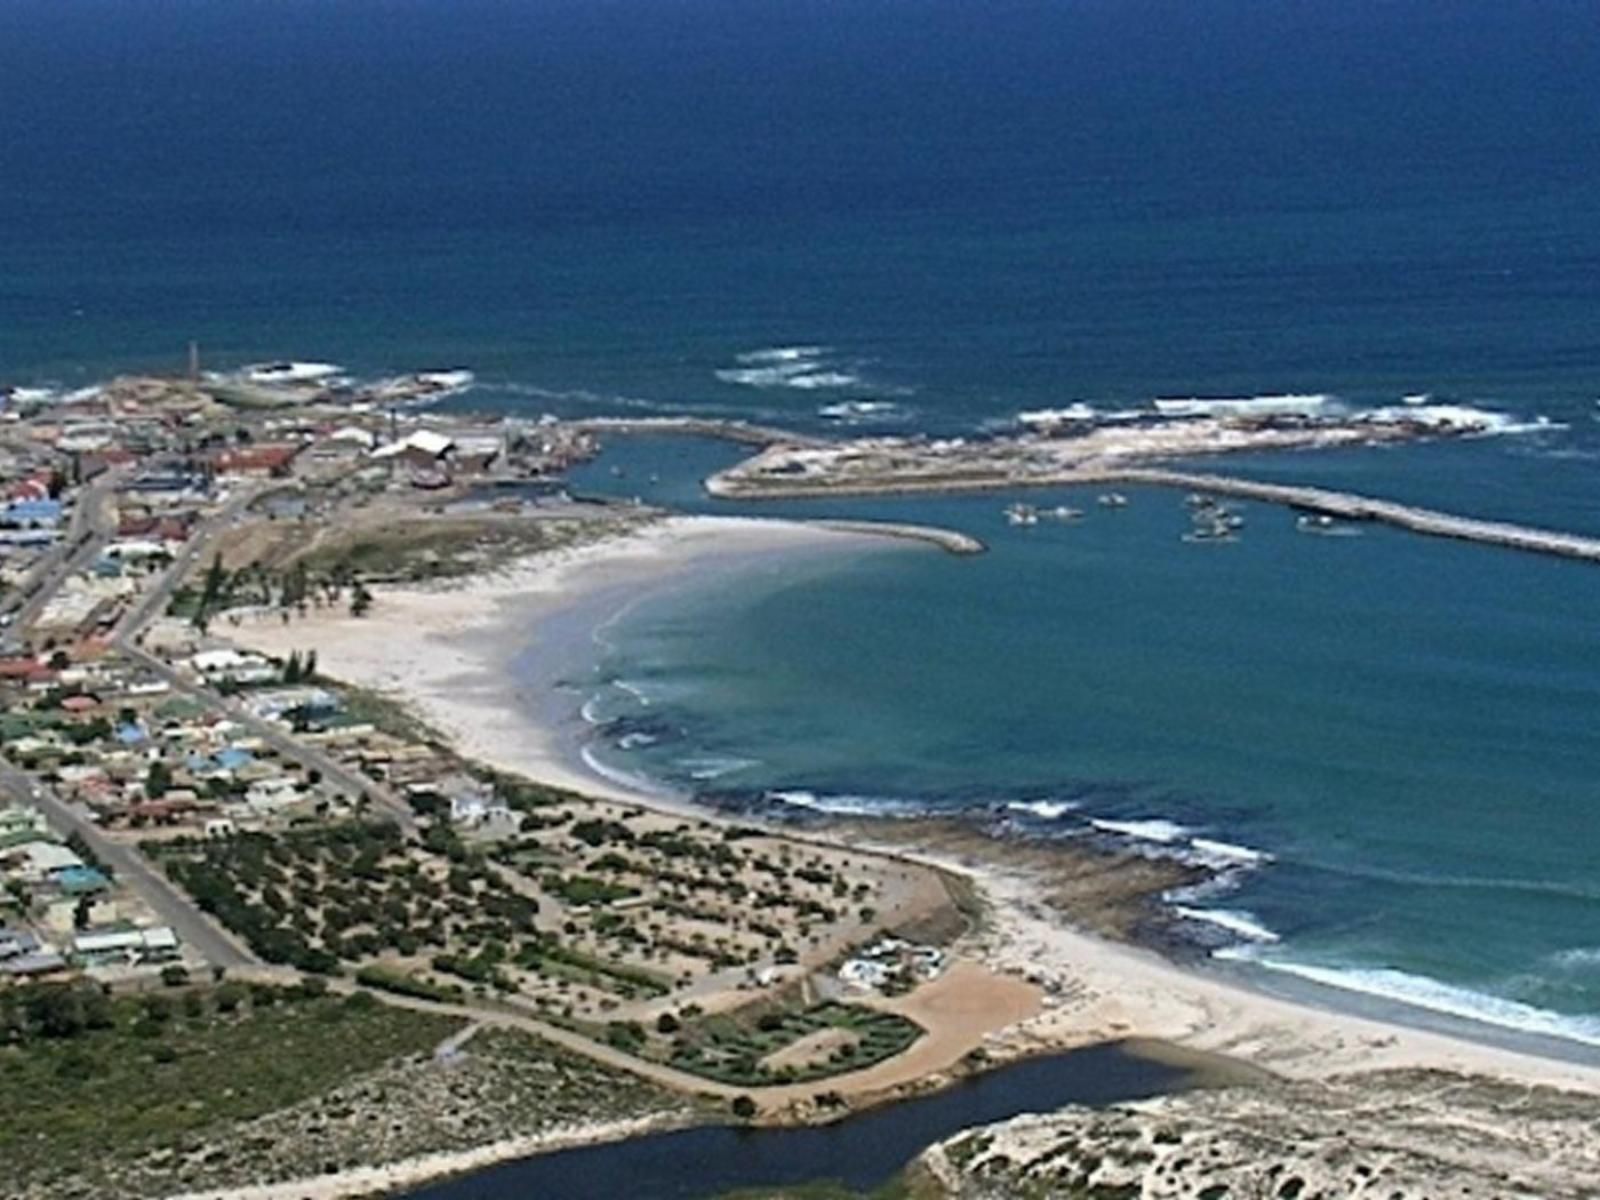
158 780
211 592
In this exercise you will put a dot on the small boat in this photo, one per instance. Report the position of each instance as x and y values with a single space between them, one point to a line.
1063 513
1210 533
1022 514
1196 500
1324 525
1112 500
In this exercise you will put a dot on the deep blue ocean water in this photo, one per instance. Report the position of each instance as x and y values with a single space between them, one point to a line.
964 211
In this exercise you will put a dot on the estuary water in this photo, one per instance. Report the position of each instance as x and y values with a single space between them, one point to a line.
929 217
862 1152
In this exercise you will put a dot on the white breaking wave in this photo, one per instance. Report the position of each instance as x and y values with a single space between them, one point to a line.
637 783
1287 405
1417 398
633 689
1236 921
1419 991
861 412
289 372
636 740
811 380
1043 418
804 368
1154 829
30 395
1077 413
712 767
1580 958
1227 854
783 354
803 376
844 806
590 711
1458 418
1048 810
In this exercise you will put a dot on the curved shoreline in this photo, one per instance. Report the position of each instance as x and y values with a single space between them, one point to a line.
456 679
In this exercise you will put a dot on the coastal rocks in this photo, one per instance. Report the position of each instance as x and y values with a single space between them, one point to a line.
1399 1135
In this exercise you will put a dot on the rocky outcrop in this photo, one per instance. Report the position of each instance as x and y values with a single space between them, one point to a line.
1396 1135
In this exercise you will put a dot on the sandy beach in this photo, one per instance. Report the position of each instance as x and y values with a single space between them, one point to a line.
444 649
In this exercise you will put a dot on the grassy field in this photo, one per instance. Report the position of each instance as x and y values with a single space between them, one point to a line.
169 1066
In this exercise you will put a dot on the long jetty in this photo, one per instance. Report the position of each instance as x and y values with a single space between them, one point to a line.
742 432
1352 507
1347 506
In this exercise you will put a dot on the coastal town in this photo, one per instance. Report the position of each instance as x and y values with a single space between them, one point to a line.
233 830
184 814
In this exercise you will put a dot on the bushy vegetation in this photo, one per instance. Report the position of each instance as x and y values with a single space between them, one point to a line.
316 898
732 1050
85 1077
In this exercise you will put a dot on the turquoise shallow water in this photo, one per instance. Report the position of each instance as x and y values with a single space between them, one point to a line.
1403 725
965 211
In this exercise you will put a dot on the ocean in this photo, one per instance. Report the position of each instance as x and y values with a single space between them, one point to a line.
927 217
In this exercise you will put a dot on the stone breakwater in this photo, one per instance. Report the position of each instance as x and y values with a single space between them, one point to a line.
1350 506
742 432
948 540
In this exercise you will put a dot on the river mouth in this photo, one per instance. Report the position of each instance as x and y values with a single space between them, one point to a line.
859 1154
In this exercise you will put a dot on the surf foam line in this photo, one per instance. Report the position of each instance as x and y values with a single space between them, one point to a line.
625 779
1150 829
844 805
1419 991
1236 921
1285 405
802 367
1045 810
864 412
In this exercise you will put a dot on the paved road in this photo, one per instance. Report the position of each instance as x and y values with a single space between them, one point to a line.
132 868
89 530
154 602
